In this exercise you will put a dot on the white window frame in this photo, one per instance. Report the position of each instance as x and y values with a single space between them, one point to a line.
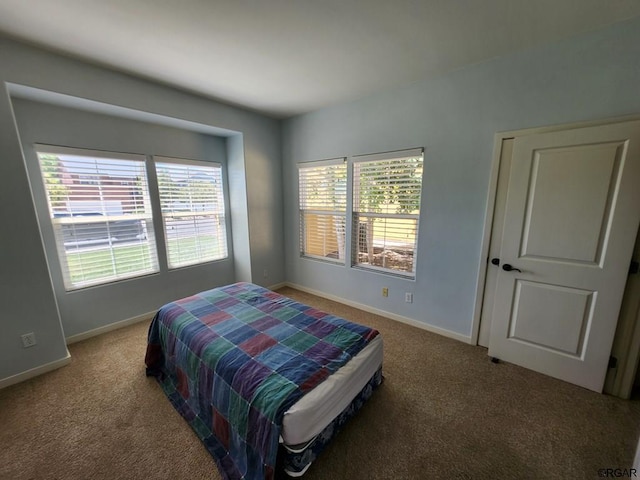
338 211
58 223
357 215
220 213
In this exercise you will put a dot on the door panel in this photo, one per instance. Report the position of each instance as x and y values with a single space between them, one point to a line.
571 216
569 194
551 316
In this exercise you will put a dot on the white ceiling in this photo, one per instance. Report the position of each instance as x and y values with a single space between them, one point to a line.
285 57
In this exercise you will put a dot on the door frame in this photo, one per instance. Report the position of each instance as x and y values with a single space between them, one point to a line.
627 367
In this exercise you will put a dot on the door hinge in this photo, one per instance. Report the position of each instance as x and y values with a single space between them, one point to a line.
613 362
634 267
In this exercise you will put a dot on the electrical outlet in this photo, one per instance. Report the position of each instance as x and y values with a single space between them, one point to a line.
265 274
28 340
385 292
408 297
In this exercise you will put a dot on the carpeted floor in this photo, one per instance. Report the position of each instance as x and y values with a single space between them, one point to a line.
444 411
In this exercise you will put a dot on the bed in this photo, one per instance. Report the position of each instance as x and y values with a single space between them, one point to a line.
264 381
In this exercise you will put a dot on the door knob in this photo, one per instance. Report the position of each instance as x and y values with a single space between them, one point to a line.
508 268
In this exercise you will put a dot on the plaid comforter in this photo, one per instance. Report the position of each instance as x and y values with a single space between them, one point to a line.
232 360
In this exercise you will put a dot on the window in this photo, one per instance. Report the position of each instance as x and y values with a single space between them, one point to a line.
193 213
386 210
101 215
323 203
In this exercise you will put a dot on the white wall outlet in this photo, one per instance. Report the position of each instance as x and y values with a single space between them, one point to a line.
265 273
385 292
408 297
28 340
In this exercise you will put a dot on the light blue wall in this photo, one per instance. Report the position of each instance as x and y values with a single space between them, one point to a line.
455 117
238 207
87 309
27 296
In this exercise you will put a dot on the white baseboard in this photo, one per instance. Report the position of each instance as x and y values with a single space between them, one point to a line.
34 372
277 286
108 328
409 321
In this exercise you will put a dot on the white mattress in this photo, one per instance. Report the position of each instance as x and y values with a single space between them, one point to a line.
313 412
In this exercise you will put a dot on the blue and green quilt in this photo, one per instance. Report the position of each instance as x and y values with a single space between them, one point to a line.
234 359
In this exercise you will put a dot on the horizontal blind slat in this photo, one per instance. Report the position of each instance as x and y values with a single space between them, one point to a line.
323 202
192 204
101 215
386 204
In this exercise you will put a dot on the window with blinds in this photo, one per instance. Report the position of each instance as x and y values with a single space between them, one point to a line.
193 212
101 214
386 211
323 204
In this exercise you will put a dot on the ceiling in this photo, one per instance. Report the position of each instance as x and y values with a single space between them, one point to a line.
286 57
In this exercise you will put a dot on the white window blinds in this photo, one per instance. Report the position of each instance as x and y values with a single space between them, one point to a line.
101 214
193 212
386 210
323 203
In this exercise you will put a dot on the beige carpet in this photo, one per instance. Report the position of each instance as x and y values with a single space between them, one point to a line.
444 411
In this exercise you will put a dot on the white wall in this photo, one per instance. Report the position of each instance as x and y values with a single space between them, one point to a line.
27 301
455 117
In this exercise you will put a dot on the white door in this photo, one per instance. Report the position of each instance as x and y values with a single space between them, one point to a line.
571 217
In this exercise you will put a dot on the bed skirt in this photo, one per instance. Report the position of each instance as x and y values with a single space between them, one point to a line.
293 461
